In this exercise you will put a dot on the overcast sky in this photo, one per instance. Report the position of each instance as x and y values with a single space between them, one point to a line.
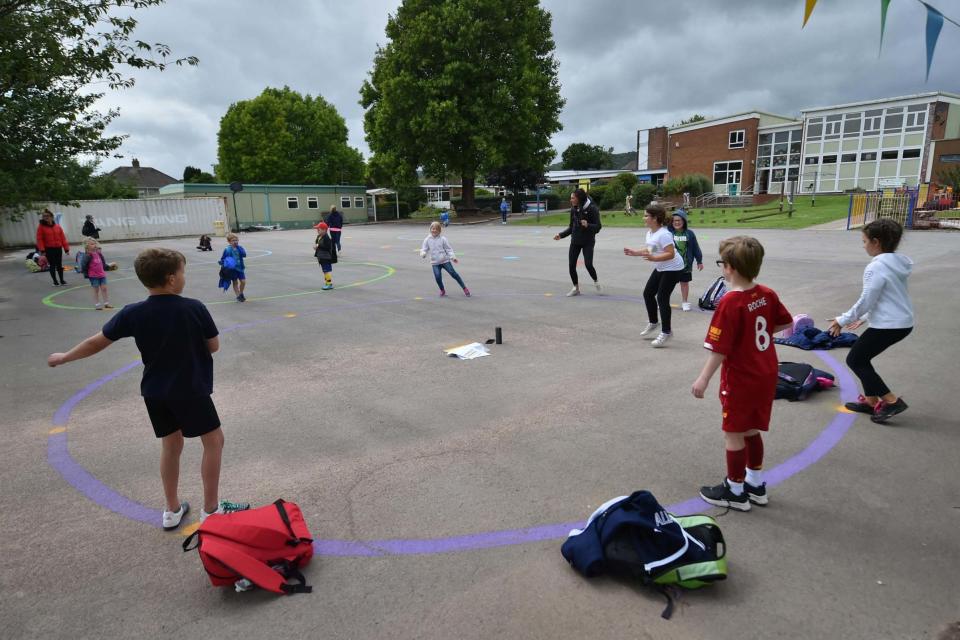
624 64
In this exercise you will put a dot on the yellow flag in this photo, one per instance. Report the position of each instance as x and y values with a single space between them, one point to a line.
808 10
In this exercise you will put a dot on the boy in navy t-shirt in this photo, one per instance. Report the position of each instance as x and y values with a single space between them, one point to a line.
176 337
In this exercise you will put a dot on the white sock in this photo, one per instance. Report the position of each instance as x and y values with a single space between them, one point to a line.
754 477
735 487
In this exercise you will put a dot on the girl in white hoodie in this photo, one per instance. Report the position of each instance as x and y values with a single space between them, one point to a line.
441 255
886 303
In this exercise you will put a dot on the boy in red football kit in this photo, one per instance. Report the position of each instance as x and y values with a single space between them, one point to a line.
740 339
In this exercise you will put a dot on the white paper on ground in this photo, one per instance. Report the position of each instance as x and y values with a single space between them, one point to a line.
468 351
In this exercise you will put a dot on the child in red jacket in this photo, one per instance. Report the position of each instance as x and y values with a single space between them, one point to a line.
52 242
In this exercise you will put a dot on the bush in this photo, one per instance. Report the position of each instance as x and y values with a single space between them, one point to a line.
643 194
614 197
627 180
693 183
597 193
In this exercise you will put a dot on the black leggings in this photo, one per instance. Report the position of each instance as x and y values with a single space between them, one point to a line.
657 294
575 250
55 259
868 346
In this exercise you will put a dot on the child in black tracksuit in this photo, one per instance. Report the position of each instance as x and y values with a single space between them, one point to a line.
325 251
689 249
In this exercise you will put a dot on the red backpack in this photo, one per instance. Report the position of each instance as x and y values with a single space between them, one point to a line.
267 546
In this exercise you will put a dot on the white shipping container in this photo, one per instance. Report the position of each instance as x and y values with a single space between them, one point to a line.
120 219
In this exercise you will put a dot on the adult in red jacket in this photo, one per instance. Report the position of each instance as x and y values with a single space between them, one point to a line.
52 242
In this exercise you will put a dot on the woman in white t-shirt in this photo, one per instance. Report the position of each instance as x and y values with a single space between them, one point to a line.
668 268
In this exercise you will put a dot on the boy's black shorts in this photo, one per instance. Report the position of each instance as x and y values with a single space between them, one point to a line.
193 416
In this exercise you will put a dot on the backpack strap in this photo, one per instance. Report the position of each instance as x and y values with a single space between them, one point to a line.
252 569
294 538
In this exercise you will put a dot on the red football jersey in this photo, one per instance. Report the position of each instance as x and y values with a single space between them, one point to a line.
742 329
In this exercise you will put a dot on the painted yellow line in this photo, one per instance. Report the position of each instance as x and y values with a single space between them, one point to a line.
290 315
548 295
57 430
418 298
843 409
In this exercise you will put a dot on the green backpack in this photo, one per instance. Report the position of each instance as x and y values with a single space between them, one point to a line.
708 567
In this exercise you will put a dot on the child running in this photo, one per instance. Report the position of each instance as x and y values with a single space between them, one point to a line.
176 337
689 249
740 339
441 255
94 268
325 251
885 300
238 253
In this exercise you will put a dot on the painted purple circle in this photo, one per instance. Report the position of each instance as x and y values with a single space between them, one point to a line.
58 456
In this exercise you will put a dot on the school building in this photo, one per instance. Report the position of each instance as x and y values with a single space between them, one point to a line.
868 145
290 206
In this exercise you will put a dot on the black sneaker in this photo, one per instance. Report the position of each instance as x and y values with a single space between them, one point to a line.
886 411
722 496
860 406
757 495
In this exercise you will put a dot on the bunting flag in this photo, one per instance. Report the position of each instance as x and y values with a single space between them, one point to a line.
934 24
808 10
884 5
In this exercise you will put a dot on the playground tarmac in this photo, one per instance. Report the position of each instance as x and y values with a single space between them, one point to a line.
438 490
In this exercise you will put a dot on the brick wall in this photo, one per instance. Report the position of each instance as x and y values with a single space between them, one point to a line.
696 151
657 153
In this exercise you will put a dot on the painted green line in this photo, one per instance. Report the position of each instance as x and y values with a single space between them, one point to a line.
48 300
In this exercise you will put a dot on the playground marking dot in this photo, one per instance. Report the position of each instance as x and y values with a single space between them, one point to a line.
843 409
418 298
511 257
548 295
387 246
290 315
57 430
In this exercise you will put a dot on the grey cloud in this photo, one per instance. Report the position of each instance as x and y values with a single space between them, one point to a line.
624 65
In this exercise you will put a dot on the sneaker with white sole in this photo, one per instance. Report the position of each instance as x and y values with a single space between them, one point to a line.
756 495
685 306
660 340
225 506
172 519
598 286
649 329
722 496
573 292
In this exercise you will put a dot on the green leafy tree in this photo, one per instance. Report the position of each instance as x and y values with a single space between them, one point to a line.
643 194
694 118
189 173
282 137
516 179
51 53
465 86
626 180
193 175
580 156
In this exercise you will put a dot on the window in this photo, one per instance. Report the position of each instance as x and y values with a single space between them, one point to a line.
344 202
911 153
829 159
888 155
848 157
811 160
766 138
795 146
780 160
893 122
867 156
794 159
763 150
851 126
312 202
782 136
871 121
793 174
763 162
778 175
916 117
832 132
950 158
358 202
737 138
814 128
293 202
727 172
780 148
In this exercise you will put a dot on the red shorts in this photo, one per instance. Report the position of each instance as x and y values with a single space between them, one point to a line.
746 407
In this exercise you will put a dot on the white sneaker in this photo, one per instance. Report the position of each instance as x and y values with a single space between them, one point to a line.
172 519
660 341
685 306
573 292
650 328
597 285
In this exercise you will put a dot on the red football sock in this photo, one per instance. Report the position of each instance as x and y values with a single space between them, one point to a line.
754 451
736 465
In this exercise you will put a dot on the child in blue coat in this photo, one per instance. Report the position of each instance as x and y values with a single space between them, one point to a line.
689 249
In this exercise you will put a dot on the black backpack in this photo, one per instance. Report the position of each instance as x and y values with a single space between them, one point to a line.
711 297
635 537
797 380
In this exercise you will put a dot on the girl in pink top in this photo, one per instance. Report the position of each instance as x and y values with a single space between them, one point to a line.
94 268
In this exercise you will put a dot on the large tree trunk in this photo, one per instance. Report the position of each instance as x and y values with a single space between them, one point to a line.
468 193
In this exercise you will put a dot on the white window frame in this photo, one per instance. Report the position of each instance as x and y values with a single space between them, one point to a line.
293 200
737 139
313 202
872 124
728 171
358 202
345 202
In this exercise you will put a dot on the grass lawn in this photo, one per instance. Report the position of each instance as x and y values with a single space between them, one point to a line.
827 209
